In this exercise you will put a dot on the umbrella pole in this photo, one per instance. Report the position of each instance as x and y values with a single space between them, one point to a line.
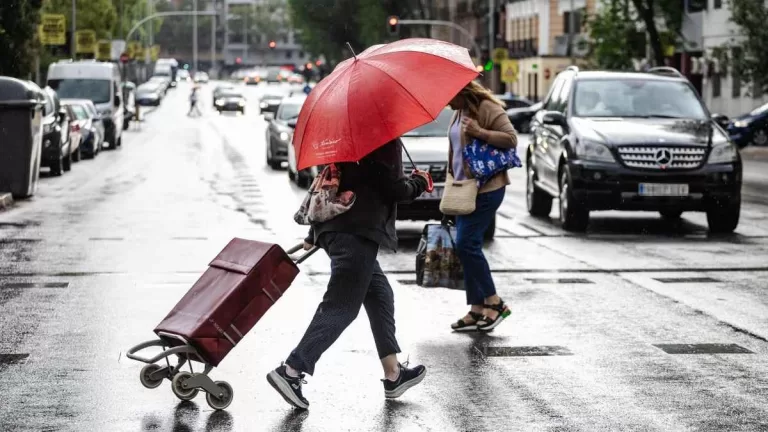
408 154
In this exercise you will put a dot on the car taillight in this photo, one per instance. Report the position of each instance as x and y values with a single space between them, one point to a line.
75 128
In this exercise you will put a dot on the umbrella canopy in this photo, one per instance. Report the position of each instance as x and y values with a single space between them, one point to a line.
377 96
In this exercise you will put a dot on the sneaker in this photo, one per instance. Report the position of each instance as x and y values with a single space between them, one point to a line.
288 387
407 379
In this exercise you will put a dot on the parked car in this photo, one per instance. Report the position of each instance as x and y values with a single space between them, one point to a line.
201 77
270 102
149 94
182 75
750 128
280 130
252 78
219 90
100 82
630 141
230 100
57 140
90 126
162 81
78 120
521 117
512 101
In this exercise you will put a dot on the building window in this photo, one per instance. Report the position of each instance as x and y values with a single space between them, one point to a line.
576 22
715 85
718 4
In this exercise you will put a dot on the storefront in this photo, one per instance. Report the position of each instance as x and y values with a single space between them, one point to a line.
536 75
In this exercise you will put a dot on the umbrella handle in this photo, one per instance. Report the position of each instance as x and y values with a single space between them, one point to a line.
408 154
430 183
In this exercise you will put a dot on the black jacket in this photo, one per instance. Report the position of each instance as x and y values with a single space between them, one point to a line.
379 184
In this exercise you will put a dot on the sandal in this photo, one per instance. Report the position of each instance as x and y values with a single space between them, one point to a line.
463 326
487 324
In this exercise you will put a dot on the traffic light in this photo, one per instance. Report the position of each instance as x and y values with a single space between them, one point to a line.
186 66
393 24
239 60
488 66
318 63
272 44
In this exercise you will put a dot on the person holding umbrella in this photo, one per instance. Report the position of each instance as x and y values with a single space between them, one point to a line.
381 86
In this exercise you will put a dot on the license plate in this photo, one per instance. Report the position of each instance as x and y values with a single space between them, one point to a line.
436 193
661 189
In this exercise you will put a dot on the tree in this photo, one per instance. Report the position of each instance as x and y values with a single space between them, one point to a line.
670 13
97 15
749 59
609 30
18 27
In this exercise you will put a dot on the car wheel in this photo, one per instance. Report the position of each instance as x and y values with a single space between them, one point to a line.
539 203
671 215
573 215
302 180
77 155
760 137
67 163
723 218
490 233
291 175
525 127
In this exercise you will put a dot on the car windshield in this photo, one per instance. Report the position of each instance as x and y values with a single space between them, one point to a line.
95 90
143 90
636 98
759 110
230 94
289 111
437 128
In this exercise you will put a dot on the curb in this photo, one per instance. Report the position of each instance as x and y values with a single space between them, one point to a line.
6 201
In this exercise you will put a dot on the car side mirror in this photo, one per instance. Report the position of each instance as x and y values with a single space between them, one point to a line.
554 118
116 102
721 119
62 114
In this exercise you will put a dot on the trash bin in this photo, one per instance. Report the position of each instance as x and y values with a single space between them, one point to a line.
21 131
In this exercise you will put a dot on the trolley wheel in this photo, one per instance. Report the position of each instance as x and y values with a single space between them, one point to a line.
223 399
146 378
177 385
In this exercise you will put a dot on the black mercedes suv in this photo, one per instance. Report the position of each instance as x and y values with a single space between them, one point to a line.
630 141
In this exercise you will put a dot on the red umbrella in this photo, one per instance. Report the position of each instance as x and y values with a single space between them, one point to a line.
377 96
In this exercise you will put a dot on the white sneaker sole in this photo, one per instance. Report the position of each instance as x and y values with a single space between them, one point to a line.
492 326
471 328
281 386
396 393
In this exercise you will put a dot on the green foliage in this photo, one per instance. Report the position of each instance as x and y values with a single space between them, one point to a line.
751 61
18 29
610 31
97 15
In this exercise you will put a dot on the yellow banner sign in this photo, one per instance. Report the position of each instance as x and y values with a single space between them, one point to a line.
133 48
138 52
509 71
85 42
53 29
155 53
104 50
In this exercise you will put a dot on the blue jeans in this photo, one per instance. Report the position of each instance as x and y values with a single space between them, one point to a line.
469 246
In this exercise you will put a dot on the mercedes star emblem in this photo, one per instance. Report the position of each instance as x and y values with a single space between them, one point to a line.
663 157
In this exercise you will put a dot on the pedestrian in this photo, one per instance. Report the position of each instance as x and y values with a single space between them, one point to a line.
352 241
193 99
479 115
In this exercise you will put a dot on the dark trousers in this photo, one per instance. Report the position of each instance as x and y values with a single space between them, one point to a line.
470 230
356 280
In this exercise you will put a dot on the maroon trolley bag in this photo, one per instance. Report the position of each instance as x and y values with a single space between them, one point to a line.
240 285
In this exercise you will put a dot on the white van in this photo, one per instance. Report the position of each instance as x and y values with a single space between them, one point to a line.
98 81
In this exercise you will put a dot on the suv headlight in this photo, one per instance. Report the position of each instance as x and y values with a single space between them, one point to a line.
741 124
219 101
592 151
724 152
285 136
241 103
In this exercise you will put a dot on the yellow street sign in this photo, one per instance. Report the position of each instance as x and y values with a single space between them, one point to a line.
133 49
500 54
509 71
155 53
104 50
85 42
53 29
138 52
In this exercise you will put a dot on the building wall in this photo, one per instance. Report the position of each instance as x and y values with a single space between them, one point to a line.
717 30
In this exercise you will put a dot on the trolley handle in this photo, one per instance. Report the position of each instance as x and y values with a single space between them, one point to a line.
131 354
303 257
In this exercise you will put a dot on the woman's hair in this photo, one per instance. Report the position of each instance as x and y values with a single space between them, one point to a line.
474 94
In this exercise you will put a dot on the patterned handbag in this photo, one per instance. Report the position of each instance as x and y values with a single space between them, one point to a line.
324 201
485 161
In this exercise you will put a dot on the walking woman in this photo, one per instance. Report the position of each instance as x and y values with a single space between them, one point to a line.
352 241
479 115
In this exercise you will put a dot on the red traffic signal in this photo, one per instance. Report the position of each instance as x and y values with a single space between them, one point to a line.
318 63
393 25
239 60
272 44
124 57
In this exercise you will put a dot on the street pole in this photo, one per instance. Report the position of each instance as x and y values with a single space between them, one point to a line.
492 42
213 44
151 6
147 52
571 34
194 37
122 19
74 26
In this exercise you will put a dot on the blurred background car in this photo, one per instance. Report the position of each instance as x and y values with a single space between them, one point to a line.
750 128
201 77
183 75
296 79
57 140
91 128
149 94
163 82
269 103
79 128
280 130
521 117
252 78
230 99
221 88
512 101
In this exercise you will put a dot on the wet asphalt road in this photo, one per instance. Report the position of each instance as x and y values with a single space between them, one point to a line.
637 325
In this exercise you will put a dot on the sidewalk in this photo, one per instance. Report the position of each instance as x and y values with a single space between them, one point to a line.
755 153
6 201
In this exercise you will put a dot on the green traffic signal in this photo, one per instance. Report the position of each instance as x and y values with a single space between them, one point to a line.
186 66
488 66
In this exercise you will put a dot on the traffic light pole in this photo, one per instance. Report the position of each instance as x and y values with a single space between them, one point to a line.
450 24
